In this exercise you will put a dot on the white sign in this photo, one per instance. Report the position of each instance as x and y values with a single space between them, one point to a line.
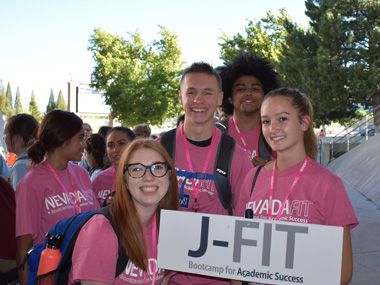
91 100
264 251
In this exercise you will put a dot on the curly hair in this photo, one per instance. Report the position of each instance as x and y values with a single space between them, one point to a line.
242 65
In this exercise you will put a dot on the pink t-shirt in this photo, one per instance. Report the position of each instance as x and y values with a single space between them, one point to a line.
318 197
96 252
104 184
250 138
41 201
208 199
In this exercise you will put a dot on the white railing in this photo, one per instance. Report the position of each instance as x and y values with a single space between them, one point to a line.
353 135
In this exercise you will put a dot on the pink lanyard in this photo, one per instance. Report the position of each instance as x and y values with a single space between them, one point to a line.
154 249
205 165
73 201
241 138
271 189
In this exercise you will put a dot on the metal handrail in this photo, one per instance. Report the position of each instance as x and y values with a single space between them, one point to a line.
351 134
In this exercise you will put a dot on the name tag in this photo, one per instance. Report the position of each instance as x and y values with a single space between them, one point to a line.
184 200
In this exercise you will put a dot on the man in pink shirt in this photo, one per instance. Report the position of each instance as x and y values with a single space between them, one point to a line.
196 144
246 79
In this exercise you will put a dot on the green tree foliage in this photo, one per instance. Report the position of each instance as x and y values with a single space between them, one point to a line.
33 108
348 32
8 108
51 104
335 60
61 103
18 105
3 99
305 65
140 80
266 38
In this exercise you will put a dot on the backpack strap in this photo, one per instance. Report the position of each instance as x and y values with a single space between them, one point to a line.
265 151
71 233
122 259
223 125
255 178
222 164
168 141
222 171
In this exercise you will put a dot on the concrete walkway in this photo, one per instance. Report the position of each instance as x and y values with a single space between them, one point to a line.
360 171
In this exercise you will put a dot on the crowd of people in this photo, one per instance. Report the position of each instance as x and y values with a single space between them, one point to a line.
63 169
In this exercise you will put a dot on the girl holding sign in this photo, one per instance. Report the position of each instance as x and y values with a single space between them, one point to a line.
294 188
145 183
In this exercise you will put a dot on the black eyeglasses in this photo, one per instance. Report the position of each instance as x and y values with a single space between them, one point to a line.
138 170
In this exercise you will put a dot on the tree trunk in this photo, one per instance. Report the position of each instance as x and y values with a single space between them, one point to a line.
376 108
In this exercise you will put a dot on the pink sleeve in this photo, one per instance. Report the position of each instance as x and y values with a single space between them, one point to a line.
95 252
96 184
85 180
28 209
244 194
241 166
339 210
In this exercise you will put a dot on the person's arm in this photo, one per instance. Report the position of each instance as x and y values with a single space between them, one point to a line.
165 281
346 257
23 244
235 282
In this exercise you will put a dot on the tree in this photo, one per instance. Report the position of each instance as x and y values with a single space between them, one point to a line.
18 105
349 32
51 104
8 108
3 99
265 38
335 60
61 104
303 64
140 80
33 108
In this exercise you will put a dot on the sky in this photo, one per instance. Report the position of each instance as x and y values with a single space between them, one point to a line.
43 43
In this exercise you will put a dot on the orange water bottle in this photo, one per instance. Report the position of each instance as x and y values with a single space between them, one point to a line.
51 255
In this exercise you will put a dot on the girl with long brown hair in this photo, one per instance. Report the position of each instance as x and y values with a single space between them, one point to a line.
295 178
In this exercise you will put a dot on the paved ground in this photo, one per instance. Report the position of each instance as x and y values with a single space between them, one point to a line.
365 240
359 171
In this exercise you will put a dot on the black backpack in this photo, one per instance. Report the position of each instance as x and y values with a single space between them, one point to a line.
264 150
222 164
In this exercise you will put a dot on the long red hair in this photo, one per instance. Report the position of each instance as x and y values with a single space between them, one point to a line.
123 209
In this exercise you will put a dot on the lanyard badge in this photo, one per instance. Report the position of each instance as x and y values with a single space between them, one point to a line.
185 198
271 189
